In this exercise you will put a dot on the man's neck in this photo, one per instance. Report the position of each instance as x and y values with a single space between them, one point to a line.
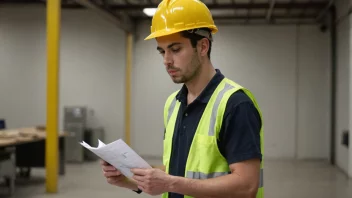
197 85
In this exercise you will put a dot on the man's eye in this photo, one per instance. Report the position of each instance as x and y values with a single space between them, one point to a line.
176 50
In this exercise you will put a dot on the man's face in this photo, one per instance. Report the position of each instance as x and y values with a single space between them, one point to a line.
181 60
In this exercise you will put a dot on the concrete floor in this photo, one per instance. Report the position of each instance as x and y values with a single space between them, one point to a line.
283 179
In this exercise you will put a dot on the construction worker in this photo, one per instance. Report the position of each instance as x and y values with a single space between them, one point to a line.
213 139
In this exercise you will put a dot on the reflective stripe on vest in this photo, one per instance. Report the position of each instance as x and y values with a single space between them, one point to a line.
171 109
216 107
199 175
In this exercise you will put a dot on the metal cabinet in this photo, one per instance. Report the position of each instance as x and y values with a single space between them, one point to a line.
75 123
80 124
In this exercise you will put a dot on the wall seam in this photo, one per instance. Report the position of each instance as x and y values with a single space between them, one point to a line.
297 93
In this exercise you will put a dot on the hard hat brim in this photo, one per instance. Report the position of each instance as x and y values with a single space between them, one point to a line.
167 32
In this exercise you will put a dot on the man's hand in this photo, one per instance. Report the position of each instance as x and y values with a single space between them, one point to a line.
152 181
161 167
114 177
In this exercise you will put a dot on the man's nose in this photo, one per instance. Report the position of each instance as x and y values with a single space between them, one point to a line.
167 59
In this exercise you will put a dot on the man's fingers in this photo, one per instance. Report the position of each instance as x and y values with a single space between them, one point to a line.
138 171
104 163
109 168
138 178
111 174
113 180
141 187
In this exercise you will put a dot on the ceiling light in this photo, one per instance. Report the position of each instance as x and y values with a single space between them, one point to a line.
149 11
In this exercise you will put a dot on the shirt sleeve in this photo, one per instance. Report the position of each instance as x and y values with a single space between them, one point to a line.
239 138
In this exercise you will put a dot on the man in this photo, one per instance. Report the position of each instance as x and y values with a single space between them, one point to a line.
213 128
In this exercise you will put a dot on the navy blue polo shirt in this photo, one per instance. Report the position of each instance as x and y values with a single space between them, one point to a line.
239 138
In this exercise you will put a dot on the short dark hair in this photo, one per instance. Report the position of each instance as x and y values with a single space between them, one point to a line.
194 38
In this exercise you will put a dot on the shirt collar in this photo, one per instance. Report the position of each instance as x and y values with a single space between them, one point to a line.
204 97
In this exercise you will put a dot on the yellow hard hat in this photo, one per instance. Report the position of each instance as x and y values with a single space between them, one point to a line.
174 16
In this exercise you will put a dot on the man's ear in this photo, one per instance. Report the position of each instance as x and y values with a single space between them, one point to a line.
204 46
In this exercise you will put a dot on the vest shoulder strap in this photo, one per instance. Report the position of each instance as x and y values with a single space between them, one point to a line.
171 100
233 87
229 87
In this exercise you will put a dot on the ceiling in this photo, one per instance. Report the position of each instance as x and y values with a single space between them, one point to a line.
225 11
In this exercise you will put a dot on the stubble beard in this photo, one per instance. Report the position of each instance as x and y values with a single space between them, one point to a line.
191 72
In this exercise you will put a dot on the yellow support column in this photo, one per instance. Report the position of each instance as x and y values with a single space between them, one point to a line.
53 46
128 82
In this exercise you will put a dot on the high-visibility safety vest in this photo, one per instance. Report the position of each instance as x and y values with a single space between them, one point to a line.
204 158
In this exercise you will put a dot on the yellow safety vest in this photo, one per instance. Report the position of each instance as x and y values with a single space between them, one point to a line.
204 158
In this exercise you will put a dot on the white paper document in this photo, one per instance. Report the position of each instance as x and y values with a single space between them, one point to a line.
119 155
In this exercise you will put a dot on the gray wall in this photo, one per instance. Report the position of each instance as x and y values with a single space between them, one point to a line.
350 105
350 100
286 67
343 84
92 67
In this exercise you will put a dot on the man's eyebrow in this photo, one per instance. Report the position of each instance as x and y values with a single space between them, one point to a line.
173 44
169 46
